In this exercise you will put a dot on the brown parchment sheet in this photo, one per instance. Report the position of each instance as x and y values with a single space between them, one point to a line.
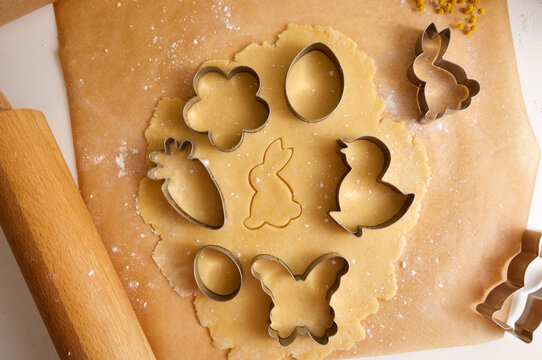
120 57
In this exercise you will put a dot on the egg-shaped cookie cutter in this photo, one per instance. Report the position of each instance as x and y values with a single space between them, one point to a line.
343 141
460 76
326 50
531 317
228 75
301 330
165 190
201 284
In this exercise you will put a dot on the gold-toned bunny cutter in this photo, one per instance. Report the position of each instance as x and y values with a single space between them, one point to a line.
236 70
300 330
201 285
165 190
326 50
523 329
457 72
387 160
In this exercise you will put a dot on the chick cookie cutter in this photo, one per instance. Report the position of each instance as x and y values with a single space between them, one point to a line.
326 50
409 198
530 319
455 70
300 330
228 75
201 284
151 174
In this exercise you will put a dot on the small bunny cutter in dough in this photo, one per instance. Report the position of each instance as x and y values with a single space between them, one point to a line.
201 284
530 319
457 72
300 330
326 50
387 160
228 75
165 185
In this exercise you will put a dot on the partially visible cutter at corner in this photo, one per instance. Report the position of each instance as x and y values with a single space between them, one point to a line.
523 329
326 50
300 330
457 72
165 186
228 75
408 199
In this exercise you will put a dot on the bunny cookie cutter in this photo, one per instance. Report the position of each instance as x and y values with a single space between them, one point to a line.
407 198
460 76
530 319
151 174
228 75
300 330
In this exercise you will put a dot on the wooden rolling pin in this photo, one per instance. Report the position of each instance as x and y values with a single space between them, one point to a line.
58 249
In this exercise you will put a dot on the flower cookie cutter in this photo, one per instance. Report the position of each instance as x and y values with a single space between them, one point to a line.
228 75
201 284
530 319
300 330
409 198
457 72
165 186
326 50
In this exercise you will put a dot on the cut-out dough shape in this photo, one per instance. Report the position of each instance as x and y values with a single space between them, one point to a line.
189 187
226 106
365 200
427 55
300 303
273 202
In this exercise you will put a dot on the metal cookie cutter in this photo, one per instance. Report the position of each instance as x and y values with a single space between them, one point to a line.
457 72
300 330
201 285
323 48
236 70
151 175
409 198
523 329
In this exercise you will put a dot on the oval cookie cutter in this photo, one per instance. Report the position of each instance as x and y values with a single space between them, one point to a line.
530 319
343 141
201 284
165 190
228 75
326 50
460 76
300 330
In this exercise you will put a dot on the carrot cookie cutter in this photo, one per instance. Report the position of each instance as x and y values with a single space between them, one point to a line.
228 75
201 284
409 198
530 319
457 72
326 50
301 330
151 175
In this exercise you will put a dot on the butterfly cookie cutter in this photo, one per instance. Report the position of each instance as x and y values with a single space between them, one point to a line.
300 330
151 174
530 319
326 50
201 284
409 198
460 76
228 75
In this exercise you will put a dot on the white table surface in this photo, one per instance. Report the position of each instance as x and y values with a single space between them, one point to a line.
31 77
